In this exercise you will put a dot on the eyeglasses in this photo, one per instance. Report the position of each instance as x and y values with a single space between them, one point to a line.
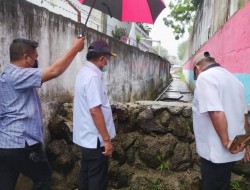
32 58
106 59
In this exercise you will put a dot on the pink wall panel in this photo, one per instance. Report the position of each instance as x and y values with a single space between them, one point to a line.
231 44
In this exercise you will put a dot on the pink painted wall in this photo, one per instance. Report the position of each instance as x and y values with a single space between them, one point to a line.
231 44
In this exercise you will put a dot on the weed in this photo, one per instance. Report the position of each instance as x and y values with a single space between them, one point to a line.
181 75
157 184
163 164
237 185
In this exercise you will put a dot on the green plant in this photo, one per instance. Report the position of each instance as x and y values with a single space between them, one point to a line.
181 75
163 164
241 4
181 17
119 32
138 38
237 185
157 184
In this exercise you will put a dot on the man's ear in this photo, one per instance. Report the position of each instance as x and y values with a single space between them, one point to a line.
102 58
25 57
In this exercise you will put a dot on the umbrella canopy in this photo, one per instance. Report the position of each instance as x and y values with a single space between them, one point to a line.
145 11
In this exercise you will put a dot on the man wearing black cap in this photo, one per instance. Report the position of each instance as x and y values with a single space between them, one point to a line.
93 123
219 114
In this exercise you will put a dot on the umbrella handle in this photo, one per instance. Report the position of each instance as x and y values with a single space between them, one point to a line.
85 25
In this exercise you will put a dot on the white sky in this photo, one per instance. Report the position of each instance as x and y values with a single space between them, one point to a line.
159 32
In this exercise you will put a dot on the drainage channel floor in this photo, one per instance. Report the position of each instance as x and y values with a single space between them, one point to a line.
178 90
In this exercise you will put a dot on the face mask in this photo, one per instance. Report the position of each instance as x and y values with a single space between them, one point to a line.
105 68
35 64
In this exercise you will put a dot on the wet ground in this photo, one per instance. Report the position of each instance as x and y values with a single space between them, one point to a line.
178 90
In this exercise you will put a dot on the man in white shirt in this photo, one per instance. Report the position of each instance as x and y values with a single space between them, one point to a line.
219 114
93 122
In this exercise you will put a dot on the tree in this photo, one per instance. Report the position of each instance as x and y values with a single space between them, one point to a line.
163 51
182 50
181 16
119 32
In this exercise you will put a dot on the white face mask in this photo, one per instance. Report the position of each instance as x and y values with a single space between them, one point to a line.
105 67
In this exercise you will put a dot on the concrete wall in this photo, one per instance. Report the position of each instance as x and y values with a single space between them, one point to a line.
211 16
133 75
225 34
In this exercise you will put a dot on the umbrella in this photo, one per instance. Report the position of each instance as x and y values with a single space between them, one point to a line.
144 11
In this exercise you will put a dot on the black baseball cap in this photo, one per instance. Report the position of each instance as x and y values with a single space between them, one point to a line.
100 46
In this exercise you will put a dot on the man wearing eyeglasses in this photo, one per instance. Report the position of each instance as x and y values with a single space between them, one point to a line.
21 137
93 126
219 114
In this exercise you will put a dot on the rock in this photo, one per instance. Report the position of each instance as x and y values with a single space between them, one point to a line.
154 140
118 153
122 112
149 124
149 151
60 155
155 152
187 112
64 162
73 176
242 168
58 181
179 126
182 158
170 181
59 129
56 148
166 146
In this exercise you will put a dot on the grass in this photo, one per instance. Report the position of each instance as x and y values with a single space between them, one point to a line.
181 75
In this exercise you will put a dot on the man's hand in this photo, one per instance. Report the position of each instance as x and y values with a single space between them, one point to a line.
78 44
239 148
108 148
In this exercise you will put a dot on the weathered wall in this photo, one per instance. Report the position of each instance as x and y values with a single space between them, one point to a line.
230 45
211 16
154 149
132 75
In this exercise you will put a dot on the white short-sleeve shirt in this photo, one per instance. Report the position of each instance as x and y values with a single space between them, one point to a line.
218 90
90 93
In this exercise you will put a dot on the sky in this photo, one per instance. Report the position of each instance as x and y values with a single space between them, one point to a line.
159 32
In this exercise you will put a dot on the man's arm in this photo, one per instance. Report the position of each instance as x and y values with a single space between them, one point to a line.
99 121
219 121
62 63
247 128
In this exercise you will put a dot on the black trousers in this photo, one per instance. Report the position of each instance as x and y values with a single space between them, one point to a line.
216 176
30 161
94 169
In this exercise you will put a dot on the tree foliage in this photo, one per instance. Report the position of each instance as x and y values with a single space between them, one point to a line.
181 17
163 52
118 32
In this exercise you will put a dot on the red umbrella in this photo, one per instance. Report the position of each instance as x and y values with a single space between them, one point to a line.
145 11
